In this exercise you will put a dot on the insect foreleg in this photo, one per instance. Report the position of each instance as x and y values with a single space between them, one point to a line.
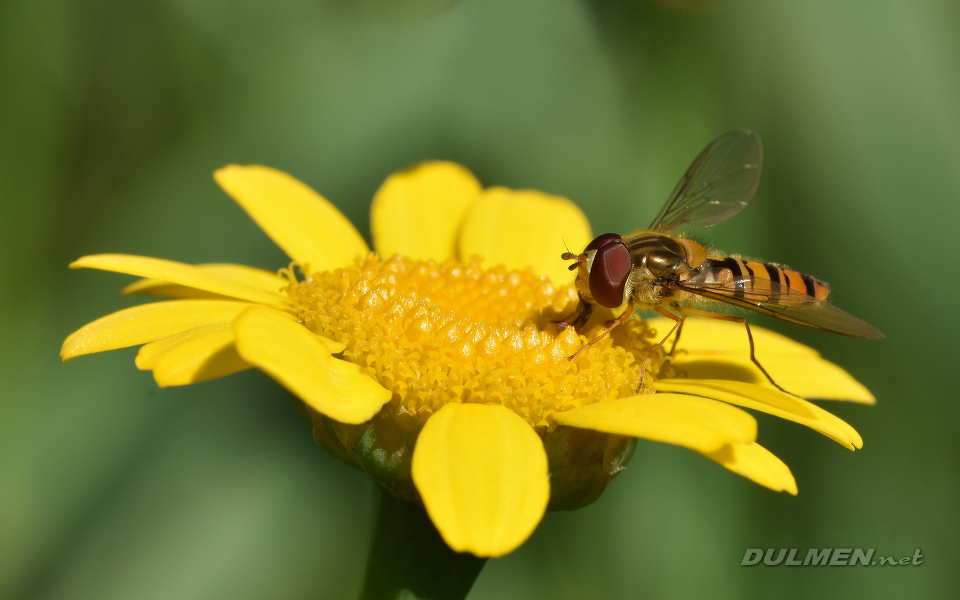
578 318
709 315
618 321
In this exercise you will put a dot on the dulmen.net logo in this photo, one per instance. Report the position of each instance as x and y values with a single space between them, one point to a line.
820 557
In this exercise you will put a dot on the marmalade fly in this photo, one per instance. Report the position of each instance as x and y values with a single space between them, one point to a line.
656 268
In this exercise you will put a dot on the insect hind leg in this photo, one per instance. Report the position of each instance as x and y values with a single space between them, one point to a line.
709 315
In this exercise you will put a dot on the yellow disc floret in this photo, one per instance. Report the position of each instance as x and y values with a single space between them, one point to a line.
447 332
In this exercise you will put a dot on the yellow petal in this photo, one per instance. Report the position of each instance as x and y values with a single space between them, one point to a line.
417 211
148 322
769 400
696 423
178 273
757 464
711 349
302 363
267 281
482 474
722 337
524 228
299 220
805 376
191 356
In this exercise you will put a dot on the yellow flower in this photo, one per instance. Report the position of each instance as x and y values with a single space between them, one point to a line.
435 367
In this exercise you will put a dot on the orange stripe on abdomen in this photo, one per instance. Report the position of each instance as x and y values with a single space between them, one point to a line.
767 277
805 284
759 276
794 281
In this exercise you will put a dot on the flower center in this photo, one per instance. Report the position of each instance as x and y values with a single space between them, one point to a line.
447 332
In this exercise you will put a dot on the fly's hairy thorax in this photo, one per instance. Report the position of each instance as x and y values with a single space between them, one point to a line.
657 261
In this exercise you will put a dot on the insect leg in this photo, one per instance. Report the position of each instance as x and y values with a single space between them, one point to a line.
679 319
702 313
676 338
578 318
618 321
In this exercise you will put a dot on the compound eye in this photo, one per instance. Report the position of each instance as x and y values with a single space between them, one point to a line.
602 240
609 272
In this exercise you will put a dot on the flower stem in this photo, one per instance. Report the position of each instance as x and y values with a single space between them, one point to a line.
409 560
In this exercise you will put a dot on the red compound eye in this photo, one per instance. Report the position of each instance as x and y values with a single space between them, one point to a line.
602 240
610 269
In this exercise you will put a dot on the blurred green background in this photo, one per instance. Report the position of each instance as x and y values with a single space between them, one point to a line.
113 115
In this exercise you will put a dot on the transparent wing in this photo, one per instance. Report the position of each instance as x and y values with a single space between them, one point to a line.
770 298
719 183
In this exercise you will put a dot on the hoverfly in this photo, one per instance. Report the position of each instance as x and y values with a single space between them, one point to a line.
656 268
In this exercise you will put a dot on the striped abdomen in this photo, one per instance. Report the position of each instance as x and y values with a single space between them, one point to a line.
760 275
